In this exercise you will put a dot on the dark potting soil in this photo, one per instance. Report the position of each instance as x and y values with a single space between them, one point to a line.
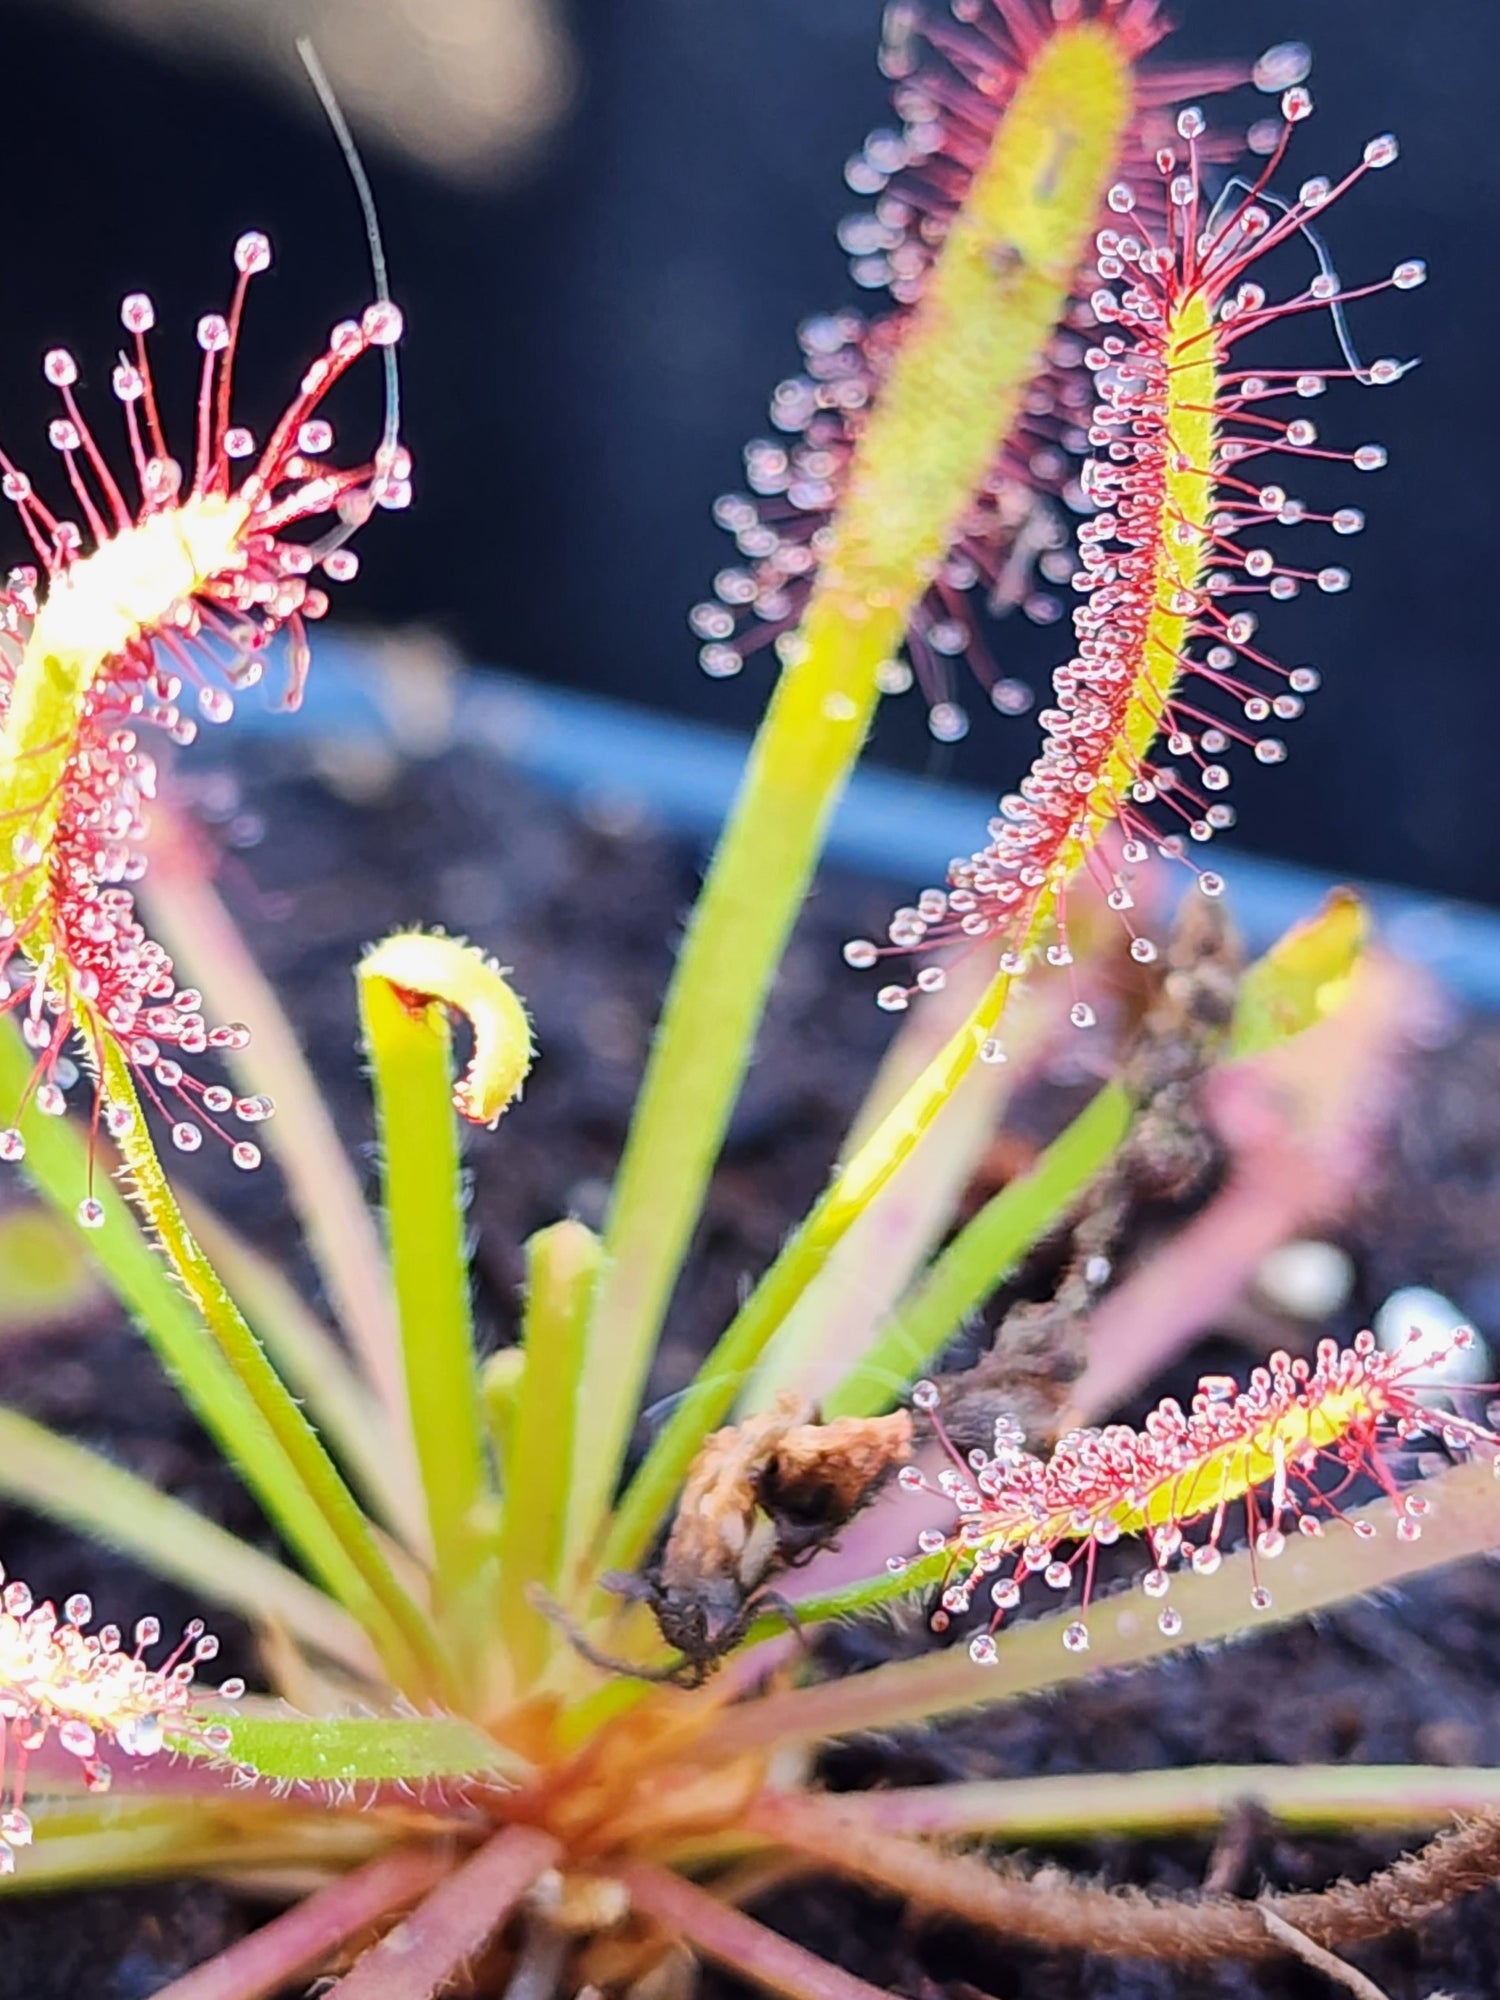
320 860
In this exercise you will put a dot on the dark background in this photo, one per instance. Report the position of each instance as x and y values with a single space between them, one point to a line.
593 337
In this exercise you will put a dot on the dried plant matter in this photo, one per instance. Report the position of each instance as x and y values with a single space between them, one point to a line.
1300 1126
762 1497
1047 1908
1039 1350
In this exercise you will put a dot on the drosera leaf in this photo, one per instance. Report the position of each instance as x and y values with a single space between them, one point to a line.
407 985
434 1947
308 1937
316 1369
86 1843
887 1249
58 1164
192 921
804 1254
562 1268
1080 1805
1297 1000
433 973
348 1750
989 1245
301 1488
501 1378
1313 1574
952 396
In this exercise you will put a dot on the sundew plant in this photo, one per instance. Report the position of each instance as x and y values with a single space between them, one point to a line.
529 1711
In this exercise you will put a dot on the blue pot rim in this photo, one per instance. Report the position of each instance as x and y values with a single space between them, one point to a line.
616 757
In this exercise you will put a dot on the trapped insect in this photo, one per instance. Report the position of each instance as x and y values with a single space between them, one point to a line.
763 1497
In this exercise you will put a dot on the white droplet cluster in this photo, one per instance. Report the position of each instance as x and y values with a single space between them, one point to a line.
167 618
1022 1515
59 1681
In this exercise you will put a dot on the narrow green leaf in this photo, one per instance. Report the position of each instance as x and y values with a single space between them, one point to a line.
1080 1805
989 1245
298 1483
86 1844
69 1483
807 744
316 1370
58 1164
802 1257
562 1264
363 1749
406 985
188 915
1298 981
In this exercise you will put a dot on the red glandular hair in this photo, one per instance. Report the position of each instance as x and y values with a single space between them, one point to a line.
181 595
60 1682
1167 658
951 98
1179 1481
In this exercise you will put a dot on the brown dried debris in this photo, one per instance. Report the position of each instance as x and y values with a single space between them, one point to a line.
762 1497
1171 1153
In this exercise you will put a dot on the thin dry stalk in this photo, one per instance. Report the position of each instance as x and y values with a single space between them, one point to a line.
1326 1962
737 1941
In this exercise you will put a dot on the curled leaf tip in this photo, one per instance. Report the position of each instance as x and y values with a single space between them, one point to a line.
427 970
1303 977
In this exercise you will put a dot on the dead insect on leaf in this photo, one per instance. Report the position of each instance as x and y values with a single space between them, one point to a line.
762 1497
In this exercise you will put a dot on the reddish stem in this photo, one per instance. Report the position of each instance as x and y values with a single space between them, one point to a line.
300 1942
423 1953
734 1940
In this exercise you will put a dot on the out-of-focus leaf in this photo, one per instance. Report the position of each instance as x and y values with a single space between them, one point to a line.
1302 978
43 1280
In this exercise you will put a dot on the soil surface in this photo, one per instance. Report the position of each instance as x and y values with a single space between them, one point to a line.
321 858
